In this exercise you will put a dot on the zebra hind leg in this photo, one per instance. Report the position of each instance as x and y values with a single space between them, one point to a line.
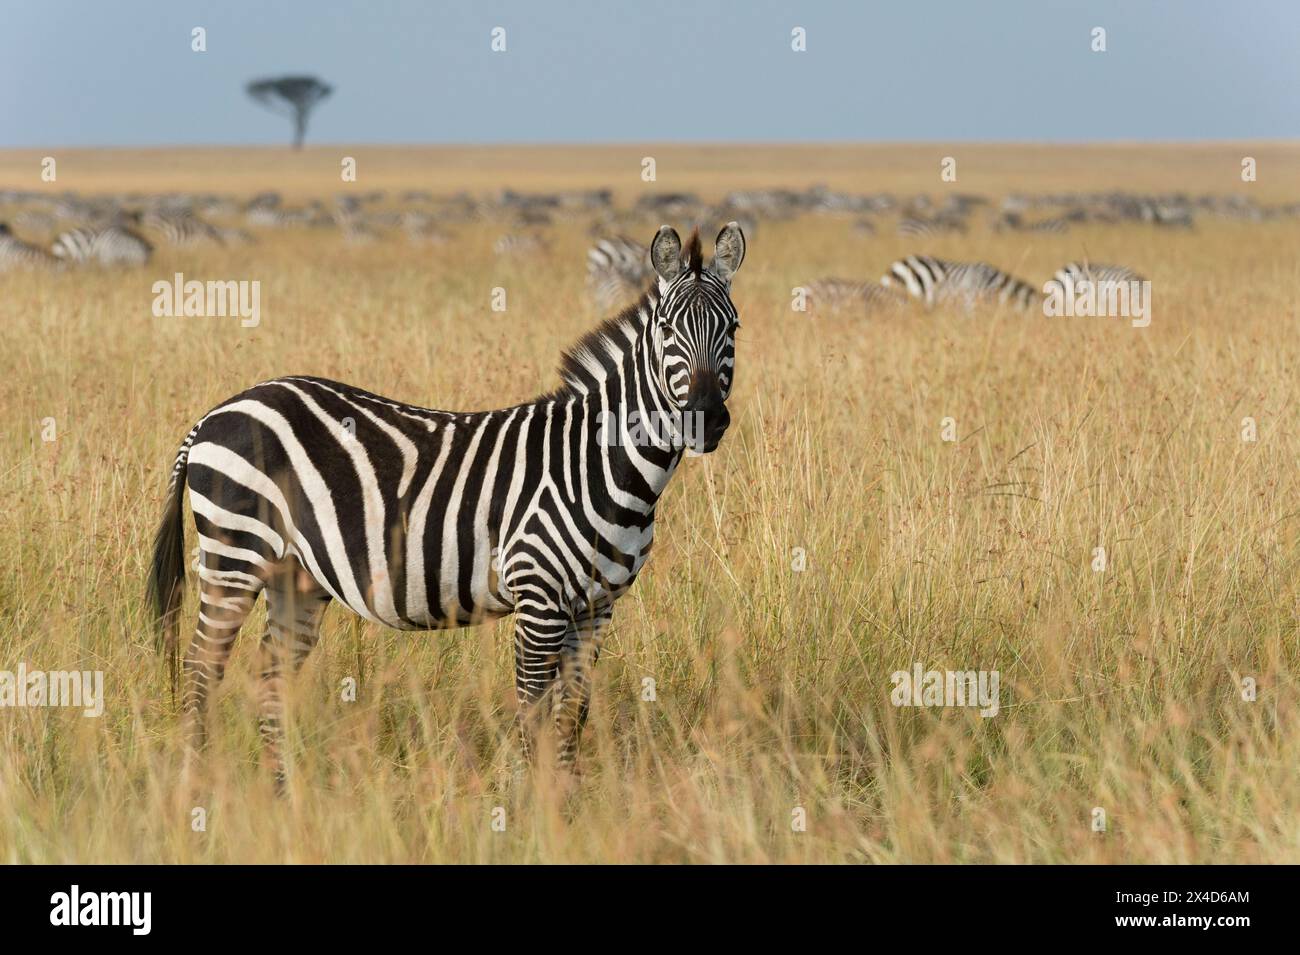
226 596
295 603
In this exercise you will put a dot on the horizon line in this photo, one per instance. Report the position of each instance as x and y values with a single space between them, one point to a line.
615 144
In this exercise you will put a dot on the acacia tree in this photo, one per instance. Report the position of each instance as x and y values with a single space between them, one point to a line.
292 96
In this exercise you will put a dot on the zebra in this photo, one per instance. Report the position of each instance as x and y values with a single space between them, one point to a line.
1069 275
422 227
274 216
836 294
17 254
935 281
916 227
355 229
618 268
310 491
182 228
113 245
520 243
1015 222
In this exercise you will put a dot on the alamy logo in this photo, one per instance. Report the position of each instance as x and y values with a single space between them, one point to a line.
675 428
1105 299
920 687
211 299
82 689
103 908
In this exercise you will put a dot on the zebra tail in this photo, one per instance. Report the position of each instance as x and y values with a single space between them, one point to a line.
167 574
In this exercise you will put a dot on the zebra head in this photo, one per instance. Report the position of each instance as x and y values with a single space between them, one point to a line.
694 329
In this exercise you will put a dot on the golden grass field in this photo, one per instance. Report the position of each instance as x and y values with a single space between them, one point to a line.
1121 689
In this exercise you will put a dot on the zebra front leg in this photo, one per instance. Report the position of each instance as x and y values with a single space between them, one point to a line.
540 631
577 660
294 606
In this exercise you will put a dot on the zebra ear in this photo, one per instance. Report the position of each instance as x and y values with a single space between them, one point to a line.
728 251
666 253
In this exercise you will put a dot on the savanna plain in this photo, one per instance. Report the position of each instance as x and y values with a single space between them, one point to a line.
834 538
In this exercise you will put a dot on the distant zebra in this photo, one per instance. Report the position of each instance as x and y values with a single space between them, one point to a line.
266 216
838 294
114 245
417 519
936 281
421 227
1069 275
520 243
230 235
17 254
356 230
1015 222
181 228
618 269
915 227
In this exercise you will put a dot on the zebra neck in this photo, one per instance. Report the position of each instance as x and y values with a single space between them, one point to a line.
634 427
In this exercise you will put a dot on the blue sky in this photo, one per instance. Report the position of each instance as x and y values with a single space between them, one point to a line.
97 73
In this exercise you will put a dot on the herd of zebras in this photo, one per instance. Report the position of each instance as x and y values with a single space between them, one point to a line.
54 231
312 491
619 268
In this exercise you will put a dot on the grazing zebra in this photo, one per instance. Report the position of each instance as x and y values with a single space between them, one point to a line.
114 245
617 269
935 281
181 228
914 227
1069 275
312 491
1015 222
422 227
515 243
267 216
231 235
837 294
17 254
355 229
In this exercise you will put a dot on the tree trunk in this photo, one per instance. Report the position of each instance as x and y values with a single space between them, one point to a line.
299 127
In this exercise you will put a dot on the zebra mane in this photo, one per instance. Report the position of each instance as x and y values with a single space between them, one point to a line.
694 253
601 351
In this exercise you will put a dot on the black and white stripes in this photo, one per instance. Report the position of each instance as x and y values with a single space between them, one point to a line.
1068 277
314 491
17 254
936 281
181 228
113 245
618 269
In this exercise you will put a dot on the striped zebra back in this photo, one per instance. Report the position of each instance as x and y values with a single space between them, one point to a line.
1015 222
832 294
517 243
1069 275
618 269
919 276
114 245
917 227
181 228
936 281
16 254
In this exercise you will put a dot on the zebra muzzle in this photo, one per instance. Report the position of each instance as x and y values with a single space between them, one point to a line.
705 415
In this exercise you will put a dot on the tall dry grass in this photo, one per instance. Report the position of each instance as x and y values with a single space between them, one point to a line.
1120 689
